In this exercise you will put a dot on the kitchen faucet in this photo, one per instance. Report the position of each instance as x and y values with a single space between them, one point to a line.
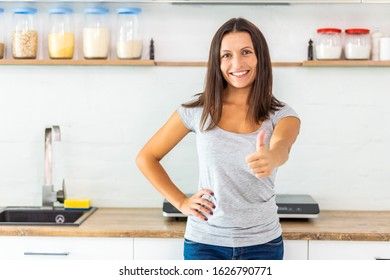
49 196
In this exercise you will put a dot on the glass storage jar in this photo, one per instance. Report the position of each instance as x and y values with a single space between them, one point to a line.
61 33
357 43
1 33
25 34
128 41
96 34
328 43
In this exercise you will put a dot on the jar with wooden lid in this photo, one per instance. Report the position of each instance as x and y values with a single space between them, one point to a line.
96 34
25 33
61 33
1 33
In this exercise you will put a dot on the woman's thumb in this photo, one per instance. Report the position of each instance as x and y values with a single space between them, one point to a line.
260 140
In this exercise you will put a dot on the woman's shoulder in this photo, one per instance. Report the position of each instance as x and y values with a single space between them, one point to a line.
190 107
190 114
282 112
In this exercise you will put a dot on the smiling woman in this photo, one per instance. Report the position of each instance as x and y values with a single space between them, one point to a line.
238 67
243 135
238 60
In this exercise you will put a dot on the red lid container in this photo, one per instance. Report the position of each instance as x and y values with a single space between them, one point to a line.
328 30
357 31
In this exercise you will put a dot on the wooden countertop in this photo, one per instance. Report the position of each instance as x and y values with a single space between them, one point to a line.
149 222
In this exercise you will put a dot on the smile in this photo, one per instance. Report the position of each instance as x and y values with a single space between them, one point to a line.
238 74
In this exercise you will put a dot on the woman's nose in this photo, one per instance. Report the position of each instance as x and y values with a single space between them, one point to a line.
237 61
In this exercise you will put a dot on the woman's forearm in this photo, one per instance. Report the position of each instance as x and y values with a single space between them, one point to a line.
280 153
159 178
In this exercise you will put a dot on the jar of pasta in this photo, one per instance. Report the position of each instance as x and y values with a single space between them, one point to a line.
96 34
25 34
61 33
128 41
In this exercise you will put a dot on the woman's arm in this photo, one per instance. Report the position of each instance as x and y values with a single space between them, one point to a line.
266 159
148 161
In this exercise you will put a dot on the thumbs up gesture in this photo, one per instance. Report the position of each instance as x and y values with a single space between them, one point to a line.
260 162
260 145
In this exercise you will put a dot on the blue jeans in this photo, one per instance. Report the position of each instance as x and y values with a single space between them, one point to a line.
272 250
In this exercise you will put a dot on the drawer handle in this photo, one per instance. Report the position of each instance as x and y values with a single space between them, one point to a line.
382 259
46 254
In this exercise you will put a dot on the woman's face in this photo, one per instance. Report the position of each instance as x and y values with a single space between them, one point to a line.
238 59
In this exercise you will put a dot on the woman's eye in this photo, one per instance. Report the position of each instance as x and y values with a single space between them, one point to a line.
225 55
246 52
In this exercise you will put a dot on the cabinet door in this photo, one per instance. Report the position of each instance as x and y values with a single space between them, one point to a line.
66 248
158 248
348 250
295 249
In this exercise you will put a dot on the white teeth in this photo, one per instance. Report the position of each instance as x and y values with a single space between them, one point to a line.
239 73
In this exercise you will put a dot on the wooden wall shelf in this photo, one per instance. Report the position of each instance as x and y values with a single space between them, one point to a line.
92 62
103 62
345 63
136 62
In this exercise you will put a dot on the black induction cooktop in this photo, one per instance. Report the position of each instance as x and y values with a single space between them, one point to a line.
298 206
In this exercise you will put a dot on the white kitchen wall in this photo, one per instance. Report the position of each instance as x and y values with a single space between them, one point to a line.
107 113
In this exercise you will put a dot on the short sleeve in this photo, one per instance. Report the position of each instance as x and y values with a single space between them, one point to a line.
187 116
285 111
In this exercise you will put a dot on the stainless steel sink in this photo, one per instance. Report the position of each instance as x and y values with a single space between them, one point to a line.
37 216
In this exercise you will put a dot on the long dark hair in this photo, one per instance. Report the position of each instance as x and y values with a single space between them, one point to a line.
261 99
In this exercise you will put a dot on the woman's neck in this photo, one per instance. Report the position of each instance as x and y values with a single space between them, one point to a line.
237 96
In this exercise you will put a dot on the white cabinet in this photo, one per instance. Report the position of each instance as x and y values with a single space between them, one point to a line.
158 248
348 250
100 248
65 248
295 249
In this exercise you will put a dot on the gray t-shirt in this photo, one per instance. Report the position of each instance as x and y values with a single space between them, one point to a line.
246 212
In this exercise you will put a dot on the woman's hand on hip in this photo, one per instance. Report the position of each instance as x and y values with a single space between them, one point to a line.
198 205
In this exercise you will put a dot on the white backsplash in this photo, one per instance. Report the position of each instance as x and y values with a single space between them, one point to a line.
107 113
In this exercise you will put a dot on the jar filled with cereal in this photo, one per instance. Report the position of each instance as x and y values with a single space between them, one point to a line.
25 34
61 34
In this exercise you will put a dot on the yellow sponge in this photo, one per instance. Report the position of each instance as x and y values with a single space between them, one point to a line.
77 203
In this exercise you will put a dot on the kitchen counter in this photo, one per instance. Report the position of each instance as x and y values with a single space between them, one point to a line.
149 222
